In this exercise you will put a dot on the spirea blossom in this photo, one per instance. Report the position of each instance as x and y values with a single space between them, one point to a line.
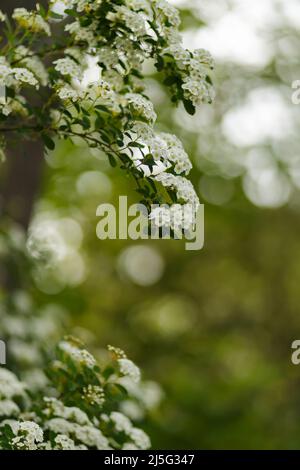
25 76
29 434
128 368
67 66
10 386
79 356
31 21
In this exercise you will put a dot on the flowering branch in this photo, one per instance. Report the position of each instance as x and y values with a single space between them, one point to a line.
112 113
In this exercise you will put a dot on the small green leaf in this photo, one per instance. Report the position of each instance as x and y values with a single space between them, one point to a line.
112 161
189 107
49 143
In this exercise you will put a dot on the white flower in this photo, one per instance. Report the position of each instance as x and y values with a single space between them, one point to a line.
94 395
2 16
197 91
9 408
204 57
60 426
142 106
92 437
168 11
63 442
128 368
181 55
28 435
26 58
80 356
129 446
87 5
143 130
177 216
140 438
181 185
10 386
81 34
26 353
67 66
69 93
25 76
134 21
161 216
31 20
5 73
70 413
176 153
121 422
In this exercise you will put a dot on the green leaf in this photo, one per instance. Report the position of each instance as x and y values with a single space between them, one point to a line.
112 161
70 12
189 107
49 143
136 145
170 80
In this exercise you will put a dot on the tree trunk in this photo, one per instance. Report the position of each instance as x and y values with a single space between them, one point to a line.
21 173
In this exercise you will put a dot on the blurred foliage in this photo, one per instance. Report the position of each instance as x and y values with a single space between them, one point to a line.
213 327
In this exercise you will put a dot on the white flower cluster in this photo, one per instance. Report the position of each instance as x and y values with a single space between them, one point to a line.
141 397
16 76
168 12
138 438
80 34
192 67
14 106
187 73
165 148
88 435
55 408
25 76
10 386
9 408
65 443
183 187
29 435
79 5
32 21
94 395
134 21
73 422
177 216
87 5
68 93
140 6
67 66
29 74
80 356
142 107
129 369
6 78
32 62
177 154
121 422
2 16
70 427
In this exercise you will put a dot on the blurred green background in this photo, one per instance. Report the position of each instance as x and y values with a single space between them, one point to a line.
213 327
